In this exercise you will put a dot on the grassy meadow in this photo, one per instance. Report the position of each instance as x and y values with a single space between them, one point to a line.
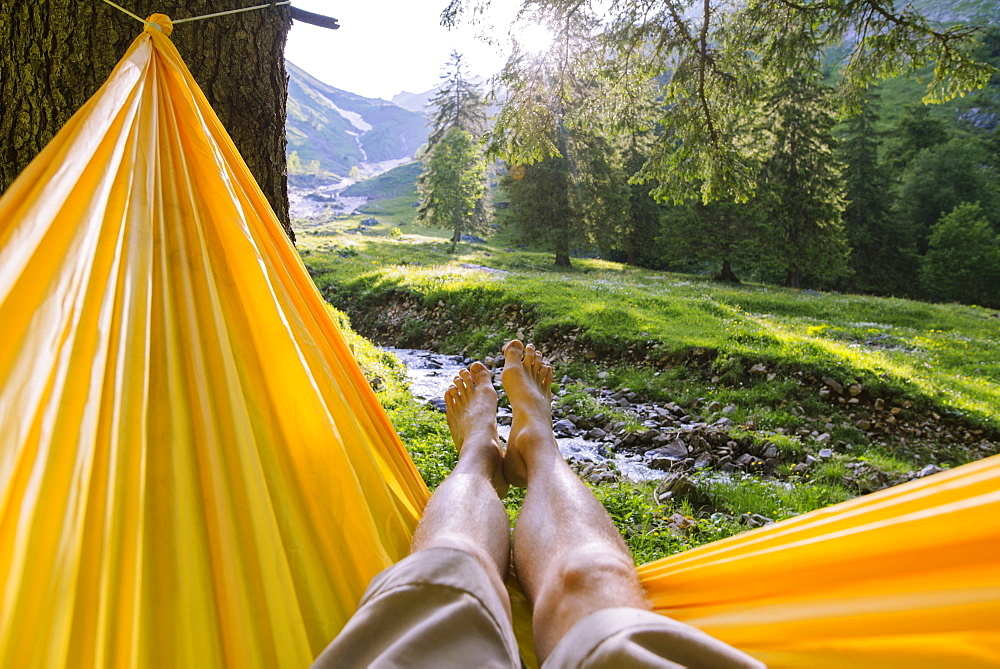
765 353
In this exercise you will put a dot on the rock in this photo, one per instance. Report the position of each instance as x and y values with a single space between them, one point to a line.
748 461
583 423
369 222
854 390
763 520
723 424
863 424
437 404
729 409
929 470
674 487
714 406
564 427
703 461
834 384
824 438
505 420
825 393
724 460
489 361
759 368
810 461
825 453
879 403
771 452
602 375
665 457
624 403
596 434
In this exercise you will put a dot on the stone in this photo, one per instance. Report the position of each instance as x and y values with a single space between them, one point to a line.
824 438
879 404
437 404
703 461
810 460
665 457
825 453
759 368
624 403
834 385
729 409
863 424
565 427
929 470
596 434
714 406
490 361
602 375
854 390
770 452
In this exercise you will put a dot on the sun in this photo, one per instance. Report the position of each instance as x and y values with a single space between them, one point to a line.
533 38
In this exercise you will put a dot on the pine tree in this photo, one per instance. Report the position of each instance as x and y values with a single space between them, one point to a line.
879 261
453 185
801 191
457 103
540 212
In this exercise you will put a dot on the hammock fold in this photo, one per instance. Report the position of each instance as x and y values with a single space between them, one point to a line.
195 472
193 469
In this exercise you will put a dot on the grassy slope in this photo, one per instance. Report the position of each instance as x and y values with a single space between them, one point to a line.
945 354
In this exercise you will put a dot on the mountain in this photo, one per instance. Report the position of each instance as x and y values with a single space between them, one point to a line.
414 101
342 130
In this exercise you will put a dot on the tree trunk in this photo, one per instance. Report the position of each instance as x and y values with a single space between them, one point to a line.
727 273
456 238
562 260
792 278
57 53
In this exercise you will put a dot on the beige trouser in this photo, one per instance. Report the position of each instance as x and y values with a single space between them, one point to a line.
437 608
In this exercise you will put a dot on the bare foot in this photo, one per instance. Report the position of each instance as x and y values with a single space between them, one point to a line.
528 382
471 409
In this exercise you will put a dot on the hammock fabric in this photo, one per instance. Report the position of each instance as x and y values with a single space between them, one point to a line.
195 472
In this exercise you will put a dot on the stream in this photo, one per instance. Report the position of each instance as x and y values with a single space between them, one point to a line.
430 374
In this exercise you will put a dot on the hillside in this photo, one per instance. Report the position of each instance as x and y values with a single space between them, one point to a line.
751 399
342 130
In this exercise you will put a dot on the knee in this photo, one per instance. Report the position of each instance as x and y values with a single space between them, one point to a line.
596 571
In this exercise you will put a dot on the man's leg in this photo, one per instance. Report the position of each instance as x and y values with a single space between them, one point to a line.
570 558
446 602
465 511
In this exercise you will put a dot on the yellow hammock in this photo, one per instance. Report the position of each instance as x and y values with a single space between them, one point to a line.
194 471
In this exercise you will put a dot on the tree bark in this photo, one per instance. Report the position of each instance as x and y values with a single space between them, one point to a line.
792 278
57 53
727 273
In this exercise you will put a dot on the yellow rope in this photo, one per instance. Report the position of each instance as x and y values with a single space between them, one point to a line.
204 16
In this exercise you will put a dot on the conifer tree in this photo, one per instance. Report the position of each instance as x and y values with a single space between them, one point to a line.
878 261
457 103
717 58
453 185
801 190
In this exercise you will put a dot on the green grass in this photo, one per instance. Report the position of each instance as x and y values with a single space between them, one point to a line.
947 356
941 356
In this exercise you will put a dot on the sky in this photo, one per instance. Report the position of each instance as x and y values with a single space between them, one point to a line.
384 47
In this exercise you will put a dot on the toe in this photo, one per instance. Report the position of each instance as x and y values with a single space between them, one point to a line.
513 352
467 378
480 373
